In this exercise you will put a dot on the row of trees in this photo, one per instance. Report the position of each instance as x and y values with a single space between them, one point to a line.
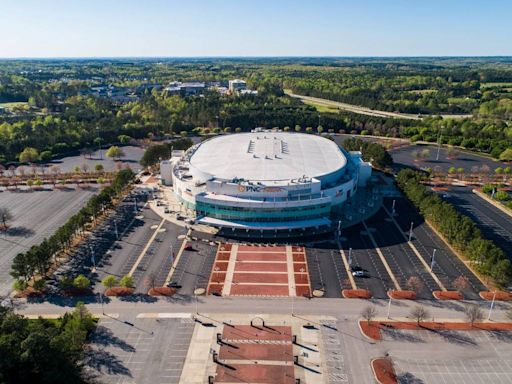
373 152
38 259
459 230
44 351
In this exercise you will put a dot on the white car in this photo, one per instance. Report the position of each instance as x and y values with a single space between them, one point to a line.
359 274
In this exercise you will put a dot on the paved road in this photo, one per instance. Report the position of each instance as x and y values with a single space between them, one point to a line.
366 111
494 224
36 215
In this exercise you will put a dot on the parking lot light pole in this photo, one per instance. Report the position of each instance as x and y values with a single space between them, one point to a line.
101 301
410 231
393 208
134 204
350 256
115 229
432 262
92 258
389 306
492 306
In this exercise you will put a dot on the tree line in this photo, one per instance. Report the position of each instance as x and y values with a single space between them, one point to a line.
459 230
38 259
44 351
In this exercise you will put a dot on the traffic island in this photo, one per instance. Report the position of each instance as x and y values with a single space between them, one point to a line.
119 291
401 295
447 295
356 294
162 291
372 329
383 371
497 295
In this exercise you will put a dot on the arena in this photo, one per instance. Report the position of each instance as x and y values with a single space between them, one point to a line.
265 181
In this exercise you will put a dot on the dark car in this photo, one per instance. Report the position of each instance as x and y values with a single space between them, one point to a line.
173 284
355 268
189 248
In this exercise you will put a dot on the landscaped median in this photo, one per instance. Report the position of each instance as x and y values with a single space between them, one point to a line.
401 295
384 371
372 329
162 291
498 295
448 295
356 294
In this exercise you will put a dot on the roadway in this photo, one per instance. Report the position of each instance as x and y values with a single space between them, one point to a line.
494 223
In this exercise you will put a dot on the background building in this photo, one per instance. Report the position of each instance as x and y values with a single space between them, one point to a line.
237 85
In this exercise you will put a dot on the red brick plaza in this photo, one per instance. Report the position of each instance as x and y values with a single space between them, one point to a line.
249 270
256 354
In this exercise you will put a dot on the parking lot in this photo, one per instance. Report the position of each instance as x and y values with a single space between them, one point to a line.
141 350
494 224
36 215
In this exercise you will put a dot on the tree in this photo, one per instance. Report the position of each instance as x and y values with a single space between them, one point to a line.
98 167
126 282
81 282
150 280
506 155
473 313
115 152
5 216
39 284
124 139
20 285
46 155
298 128
498 171
461 283
419 313
415 284
238 130
29 155
369 312
109 281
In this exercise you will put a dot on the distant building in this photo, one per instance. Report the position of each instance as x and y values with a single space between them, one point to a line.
237 85
185 89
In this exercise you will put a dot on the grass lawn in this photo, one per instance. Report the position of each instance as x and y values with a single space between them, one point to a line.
321 108
14 104
499 85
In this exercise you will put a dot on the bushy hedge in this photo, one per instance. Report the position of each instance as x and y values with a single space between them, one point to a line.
38 258
459 230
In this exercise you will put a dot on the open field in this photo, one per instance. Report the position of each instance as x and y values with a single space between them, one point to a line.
13 104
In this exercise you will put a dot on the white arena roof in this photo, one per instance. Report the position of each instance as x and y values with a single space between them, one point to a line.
268 156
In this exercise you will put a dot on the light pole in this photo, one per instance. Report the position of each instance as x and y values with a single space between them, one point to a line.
101 301
349 257
99 142
134 204
115 229
492 306
393 208
432 262
92 258
410 231
389 306
293 299
439 144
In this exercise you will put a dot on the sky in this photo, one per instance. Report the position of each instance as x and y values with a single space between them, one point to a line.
187 28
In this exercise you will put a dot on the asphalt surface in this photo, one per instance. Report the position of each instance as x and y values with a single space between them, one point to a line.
447 266
494 224
326 269
36 215
194 267
403 157
361 253
132 156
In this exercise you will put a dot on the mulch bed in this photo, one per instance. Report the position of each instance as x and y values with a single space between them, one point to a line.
162 291
402 295
448 295
500 295
119 291
383 371
29 292
77 292
356 294
372 330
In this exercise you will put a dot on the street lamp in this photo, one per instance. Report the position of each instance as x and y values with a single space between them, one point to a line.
492 305
99 142
432 262
410 231
389 306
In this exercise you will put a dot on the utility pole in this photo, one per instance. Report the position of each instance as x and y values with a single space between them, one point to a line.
92 257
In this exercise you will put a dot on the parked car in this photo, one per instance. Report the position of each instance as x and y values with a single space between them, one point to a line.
359 274
189 248
173 284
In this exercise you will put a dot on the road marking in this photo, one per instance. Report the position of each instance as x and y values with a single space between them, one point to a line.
347 268
413 247
141 256
177 259
382 258
292 289
226 289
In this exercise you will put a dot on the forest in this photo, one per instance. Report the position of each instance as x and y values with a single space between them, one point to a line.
45 104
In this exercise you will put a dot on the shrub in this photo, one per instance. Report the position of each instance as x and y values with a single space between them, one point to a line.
126 282
81 282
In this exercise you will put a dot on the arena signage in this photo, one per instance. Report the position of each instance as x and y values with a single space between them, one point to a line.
256 188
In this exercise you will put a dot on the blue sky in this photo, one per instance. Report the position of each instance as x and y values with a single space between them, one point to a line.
107 28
